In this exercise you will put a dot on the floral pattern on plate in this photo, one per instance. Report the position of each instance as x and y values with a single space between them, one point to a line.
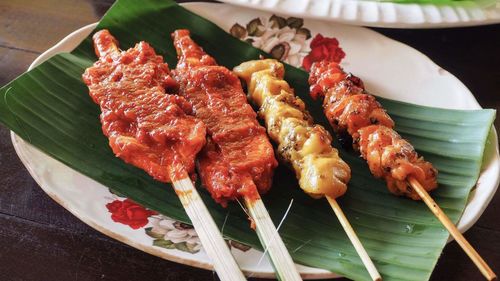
129 213
165 232
287 39
170 234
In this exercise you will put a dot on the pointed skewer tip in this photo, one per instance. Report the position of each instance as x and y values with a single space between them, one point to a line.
372 270
452 229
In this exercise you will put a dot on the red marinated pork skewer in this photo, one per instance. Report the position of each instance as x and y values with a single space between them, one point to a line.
238 161
150 129
354 112
239 155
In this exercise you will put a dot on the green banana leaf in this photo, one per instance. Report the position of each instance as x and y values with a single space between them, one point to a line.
50 108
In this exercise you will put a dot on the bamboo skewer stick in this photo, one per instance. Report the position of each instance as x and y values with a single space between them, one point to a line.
271 240
190 59
264 89
372 270
448 224
419 189
224 264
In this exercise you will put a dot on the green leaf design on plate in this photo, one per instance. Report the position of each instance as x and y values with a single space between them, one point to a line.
182 246
187 247
153 234
293 22
238 31
304 31
167 244
280 51
50 108
277 22
255 27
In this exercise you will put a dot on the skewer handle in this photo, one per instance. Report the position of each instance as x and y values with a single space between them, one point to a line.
271 240
372 270
448 224
224 264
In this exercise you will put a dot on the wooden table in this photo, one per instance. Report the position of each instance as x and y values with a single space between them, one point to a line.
39 240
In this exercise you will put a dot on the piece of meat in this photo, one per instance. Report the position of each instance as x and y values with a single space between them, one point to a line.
146 127
394 159
303 145
354 112
239 156
346 104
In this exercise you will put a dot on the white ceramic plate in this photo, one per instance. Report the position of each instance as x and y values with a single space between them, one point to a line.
379 14
379 68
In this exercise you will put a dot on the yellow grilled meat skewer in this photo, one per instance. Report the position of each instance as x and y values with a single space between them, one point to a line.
302 144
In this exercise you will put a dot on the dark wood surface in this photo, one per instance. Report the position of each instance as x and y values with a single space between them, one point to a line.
39 240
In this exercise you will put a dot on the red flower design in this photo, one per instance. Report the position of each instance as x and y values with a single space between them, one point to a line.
323 48
130 213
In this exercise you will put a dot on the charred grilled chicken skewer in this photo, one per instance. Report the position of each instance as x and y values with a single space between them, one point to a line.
238 161
150 129
301 144
354 113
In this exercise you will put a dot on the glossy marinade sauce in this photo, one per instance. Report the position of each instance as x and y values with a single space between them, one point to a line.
146 127
238 156
353 111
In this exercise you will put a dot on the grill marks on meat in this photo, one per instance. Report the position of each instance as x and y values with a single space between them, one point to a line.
238 156
394 159
301 144
351 110
146 127
345 102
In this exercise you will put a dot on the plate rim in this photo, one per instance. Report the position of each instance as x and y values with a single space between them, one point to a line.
358 21
196 263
